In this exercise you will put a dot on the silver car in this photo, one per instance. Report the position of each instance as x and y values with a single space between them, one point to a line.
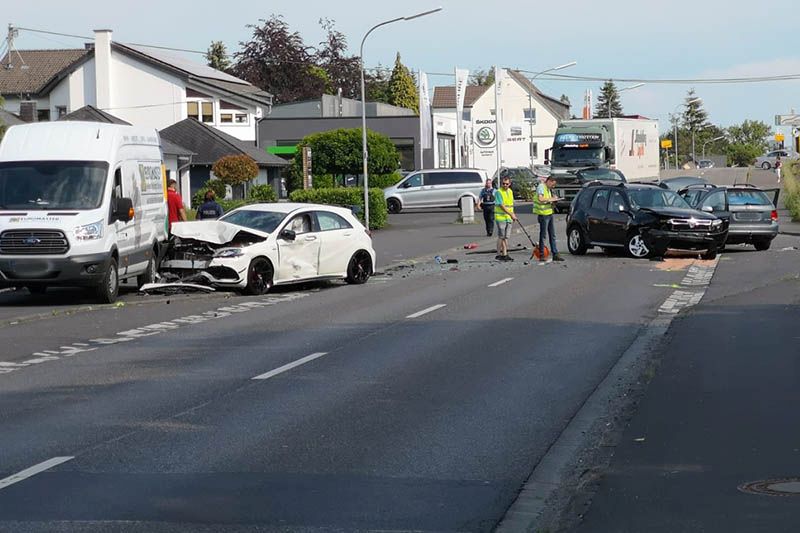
767 161
435 188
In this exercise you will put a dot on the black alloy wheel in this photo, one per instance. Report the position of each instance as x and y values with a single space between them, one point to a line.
393 205
260 276
359 269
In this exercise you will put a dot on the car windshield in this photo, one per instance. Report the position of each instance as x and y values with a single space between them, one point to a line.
748 198
265 221
601 174
47 185
654 198
577 157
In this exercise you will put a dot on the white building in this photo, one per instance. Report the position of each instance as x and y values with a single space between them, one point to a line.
142 86
523 109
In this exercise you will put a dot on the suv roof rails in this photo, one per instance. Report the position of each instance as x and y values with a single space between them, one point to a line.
745 185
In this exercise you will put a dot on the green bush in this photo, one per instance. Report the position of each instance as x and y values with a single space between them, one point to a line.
791 190
347 197
261 193
213 184
230 205
381 181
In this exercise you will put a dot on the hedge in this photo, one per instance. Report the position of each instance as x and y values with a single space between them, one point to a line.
791 190
347 197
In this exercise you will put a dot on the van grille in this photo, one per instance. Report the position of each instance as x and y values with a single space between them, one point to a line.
33 242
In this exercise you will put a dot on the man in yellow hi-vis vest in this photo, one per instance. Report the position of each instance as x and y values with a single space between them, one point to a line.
504 217
543 207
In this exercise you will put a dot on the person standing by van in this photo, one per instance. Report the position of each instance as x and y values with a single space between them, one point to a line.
176 211
504 217
210 209
486 203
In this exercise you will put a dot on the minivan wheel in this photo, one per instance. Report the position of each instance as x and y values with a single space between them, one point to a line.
765 165
359 269
108 289
636 247
259 277
393 205
576 242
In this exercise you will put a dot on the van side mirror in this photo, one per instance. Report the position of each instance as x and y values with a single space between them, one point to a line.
609 153
123 210
288 235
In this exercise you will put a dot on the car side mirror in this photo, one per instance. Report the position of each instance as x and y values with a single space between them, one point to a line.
288 235
707 209
622 209
123 210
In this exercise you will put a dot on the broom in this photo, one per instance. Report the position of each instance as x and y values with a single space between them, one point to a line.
535 252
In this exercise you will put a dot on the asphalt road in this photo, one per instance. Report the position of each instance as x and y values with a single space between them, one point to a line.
421 401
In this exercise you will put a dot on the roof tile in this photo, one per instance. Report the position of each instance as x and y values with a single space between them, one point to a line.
28 71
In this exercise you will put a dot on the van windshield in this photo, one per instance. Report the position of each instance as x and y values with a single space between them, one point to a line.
48 185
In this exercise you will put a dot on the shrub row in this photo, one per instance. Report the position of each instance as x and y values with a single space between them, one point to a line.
350 197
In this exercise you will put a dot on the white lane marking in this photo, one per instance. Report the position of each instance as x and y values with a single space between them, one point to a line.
426 311
498 283
32 471
694 285
289 366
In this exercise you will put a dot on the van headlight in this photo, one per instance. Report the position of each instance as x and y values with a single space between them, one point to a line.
89 232
229 252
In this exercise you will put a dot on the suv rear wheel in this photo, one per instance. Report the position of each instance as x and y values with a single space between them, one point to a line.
636 246
576 242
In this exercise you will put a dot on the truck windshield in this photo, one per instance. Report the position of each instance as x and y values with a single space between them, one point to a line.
577 157
48 185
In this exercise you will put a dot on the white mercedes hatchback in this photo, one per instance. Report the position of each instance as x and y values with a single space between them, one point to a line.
257 246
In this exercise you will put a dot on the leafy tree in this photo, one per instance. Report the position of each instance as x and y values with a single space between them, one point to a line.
748 140
481 77
217 56
565 100
402 89
338 153
277 60
235 170
344 71
608 99
376 83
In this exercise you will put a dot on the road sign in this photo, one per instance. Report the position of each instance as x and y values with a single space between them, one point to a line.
779 137
666 144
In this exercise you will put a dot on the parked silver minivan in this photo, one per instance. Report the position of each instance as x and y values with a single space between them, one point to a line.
443 187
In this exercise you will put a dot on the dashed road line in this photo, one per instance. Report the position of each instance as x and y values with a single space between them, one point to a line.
501 282
45 356
32 471
289 366
426 311
693 288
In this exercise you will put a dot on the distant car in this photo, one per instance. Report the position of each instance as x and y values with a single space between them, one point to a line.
443 187
256 246
680 182
522 180
645 220
705 163
767 161
750 211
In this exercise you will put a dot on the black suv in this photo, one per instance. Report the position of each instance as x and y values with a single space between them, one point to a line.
644 220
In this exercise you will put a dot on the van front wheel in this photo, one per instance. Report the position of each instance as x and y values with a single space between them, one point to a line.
108 289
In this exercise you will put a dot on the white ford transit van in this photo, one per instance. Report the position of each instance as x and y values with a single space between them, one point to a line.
81 204
435 188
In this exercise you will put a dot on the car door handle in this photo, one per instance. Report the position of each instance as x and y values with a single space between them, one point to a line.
310 237
348 234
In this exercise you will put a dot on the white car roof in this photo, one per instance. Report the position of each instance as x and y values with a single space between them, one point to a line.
288 207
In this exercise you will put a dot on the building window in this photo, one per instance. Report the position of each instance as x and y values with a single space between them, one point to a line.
241 118
226 118
201 110
43 115
61 110
530 115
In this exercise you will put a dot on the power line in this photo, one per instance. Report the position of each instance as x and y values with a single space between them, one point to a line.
746 79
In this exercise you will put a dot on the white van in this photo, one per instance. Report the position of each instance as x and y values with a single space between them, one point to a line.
444 187
81 204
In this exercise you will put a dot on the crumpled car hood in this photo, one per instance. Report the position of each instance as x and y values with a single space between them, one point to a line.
212 231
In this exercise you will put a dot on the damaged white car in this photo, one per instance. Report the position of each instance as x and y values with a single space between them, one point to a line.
257 246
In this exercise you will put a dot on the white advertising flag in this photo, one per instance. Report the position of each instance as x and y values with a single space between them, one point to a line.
462 79
499 75
425 122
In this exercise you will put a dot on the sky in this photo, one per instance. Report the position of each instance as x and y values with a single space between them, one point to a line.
680 39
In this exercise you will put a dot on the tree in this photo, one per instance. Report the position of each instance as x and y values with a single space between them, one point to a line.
2 125
608 99
695 118
235 170
217 56
748 140
277 60
484 78
338 153
344 71
565 100
377 85
402 89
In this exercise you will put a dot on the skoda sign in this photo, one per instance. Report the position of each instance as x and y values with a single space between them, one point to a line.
485 136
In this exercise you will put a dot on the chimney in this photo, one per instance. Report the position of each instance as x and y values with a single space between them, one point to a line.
102 68
28 111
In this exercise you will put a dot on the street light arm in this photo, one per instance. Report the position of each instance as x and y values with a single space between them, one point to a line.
375 27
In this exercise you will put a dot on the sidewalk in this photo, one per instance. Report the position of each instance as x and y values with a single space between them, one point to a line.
786 226
721 413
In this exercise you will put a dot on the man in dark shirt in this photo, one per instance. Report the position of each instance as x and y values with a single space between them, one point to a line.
210 209
486 202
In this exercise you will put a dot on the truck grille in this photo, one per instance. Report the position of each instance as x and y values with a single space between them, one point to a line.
33 242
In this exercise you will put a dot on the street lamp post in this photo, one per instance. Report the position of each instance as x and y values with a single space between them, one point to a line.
530 102
693 100
364 104
715 139
623 89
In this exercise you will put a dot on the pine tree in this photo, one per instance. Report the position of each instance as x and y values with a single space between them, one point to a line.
217 56
608 99
695 118
402 89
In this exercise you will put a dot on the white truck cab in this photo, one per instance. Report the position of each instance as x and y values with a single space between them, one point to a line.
81 204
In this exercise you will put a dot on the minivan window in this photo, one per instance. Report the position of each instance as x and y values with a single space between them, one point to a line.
413 181
48 185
